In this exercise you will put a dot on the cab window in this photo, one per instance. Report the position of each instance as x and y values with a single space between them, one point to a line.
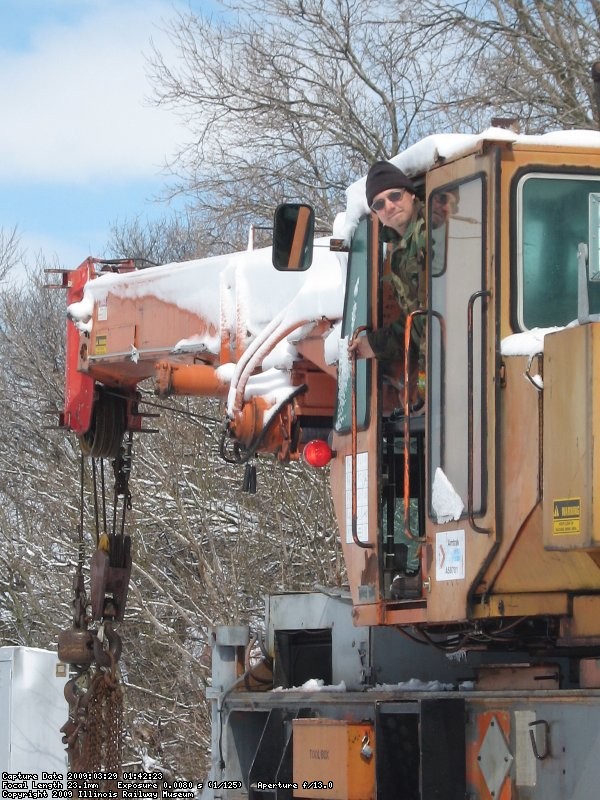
456 277
356 313
553 213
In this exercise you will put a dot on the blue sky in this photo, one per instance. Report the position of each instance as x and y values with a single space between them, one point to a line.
81 146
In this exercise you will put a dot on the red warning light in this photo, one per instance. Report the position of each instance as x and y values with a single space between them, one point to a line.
317 453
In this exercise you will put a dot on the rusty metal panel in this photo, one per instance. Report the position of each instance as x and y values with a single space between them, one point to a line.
508 677
333 759
571 392
589 673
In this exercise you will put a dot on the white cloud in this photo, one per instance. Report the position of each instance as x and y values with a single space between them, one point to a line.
75 103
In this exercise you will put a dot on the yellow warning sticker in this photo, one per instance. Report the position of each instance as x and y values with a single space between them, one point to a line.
566 517
101 345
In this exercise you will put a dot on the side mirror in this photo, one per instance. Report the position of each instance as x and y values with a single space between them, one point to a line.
293 236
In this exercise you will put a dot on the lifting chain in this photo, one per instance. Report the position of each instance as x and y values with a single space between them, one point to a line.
94 731
105 725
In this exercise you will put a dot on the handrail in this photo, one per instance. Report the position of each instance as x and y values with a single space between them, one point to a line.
470 411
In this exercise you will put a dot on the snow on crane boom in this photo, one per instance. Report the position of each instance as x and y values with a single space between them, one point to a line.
228 326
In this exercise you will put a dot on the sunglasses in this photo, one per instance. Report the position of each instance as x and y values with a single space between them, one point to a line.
393 197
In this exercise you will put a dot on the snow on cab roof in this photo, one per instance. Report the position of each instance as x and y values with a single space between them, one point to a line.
432 150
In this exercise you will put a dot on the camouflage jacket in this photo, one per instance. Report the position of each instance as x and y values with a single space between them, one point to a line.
407 275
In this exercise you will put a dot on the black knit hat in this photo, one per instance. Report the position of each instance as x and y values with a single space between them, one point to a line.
384 175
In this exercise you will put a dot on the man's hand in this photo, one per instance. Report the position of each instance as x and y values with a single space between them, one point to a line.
361 347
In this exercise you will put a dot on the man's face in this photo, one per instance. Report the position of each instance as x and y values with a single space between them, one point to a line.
394 207
443 204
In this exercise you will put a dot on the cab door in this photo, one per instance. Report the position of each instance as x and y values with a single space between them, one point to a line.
367 473
354 470
462 383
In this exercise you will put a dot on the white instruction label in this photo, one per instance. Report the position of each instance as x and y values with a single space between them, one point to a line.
450 555
362 497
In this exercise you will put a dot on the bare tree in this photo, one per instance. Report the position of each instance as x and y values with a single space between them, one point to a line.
287 99
527 60
179 237
10 251
38 509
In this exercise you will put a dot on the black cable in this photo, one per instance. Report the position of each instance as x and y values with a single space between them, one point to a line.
80 532
181 411
95 489
103 492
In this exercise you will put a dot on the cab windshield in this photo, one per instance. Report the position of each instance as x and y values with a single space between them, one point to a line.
554 215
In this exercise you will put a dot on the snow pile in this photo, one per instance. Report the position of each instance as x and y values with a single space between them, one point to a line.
528 343
314 685
445 500
413 685
197 344
81 313
417 685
